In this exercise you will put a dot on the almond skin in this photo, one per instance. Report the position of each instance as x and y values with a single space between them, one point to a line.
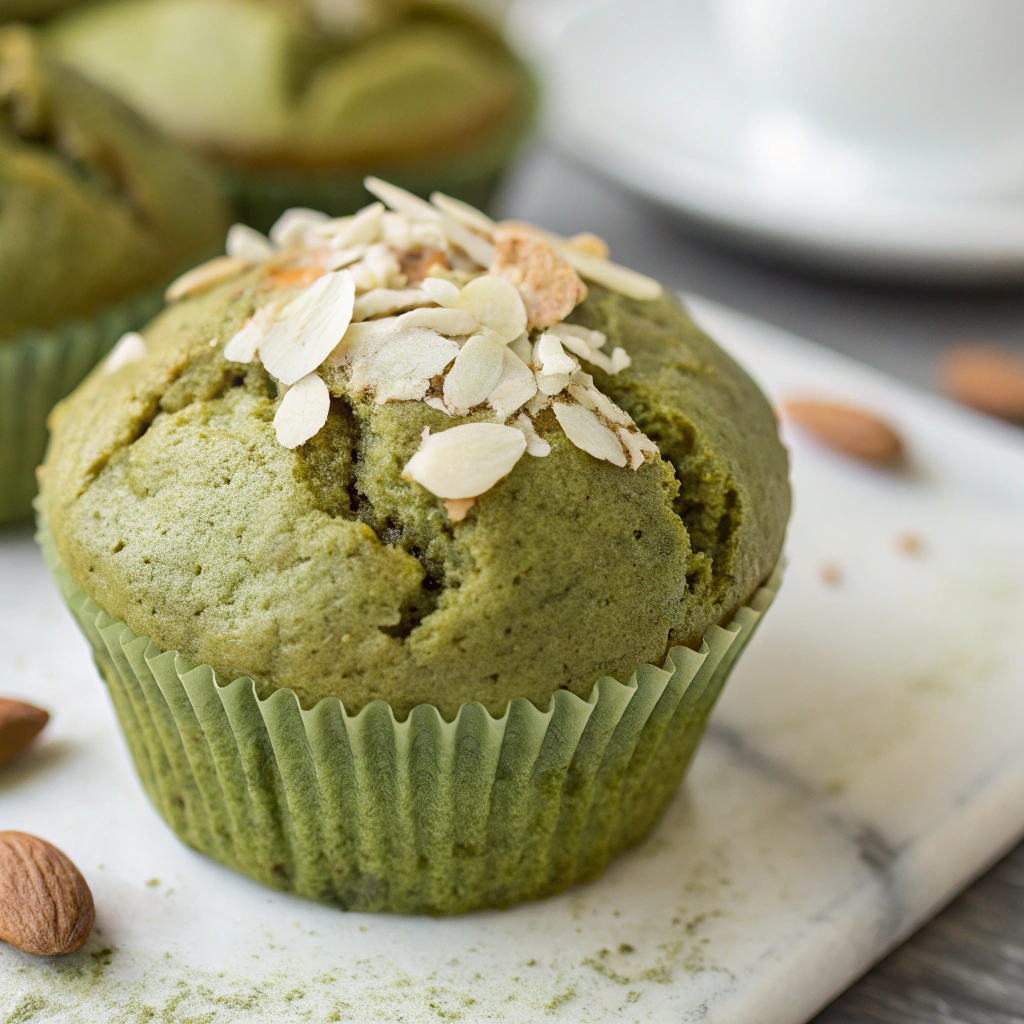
45 905
20 724
985 378
848 429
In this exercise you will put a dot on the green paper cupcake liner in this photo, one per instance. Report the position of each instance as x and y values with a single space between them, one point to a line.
420 816
37 369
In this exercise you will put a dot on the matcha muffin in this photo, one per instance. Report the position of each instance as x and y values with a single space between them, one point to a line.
441 496
34 10
97 213
296 100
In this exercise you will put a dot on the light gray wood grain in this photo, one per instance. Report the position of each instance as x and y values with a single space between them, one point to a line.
967 965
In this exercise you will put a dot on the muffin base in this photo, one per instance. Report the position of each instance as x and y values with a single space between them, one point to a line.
421 816
37 369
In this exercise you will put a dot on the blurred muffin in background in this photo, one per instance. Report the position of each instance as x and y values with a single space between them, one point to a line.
34 10
296 100
98 211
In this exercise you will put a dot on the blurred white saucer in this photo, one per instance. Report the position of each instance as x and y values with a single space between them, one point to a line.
640 90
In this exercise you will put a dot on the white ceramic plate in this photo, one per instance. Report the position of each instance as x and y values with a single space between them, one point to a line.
639 90
866 760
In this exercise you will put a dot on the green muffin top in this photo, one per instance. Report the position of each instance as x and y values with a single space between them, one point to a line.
94 204
411 455
288 83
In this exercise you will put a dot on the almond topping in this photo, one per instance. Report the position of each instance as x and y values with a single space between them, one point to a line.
636 444
466 215
20 724
589 242
46 907
850 430
130 348
294 277
383 301
549 286
303 411
291 227
467 460
496 304
416 265
535 444
458 508
443 292
985 378
245 243
475 373
586 431
455 323
515 387
204 277
398 366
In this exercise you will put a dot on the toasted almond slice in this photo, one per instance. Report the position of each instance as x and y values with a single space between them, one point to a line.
397 231
476 248
437 403
443 292
383 301
399 365
551 383
364 229
244 344
522 348
417 263
467 460
574 332
245 243
205 276
466 215
458 508
550 356
294 277
985 378
550 288
515 386
362 339
851 430
291 227
575 345
339 259
538 403
535 444
586 431
400 200
587 241
496 304
454 323
303 411
474 375
307 330
620 360
636 444
130 348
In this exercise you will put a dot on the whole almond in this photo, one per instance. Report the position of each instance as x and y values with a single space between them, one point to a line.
45 905
20 724
985 378
851 430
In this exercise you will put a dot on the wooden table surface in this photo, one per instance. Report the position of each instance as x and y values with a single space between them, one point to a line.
967 965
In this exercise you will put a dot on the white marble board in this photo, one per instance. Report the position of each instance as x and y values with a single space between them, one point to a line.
866 761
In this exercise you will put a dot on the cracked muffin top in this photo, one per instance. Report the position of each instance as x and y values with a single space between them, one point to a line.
418 456
94 204
304 84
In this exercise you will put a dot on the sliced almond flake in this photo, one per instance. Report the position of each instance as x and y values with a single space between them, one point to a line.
636 444
620 360
458 508
598 402
130 348
603 272
600 360
535 444
515 386
348 232
550 356
246 243
361 339
383 301
586 431
205 276
476 248
587 241
467 460
464 214
443 292
341 258
583 378
575 345
399 365
452 322
428 235
522 348
397 231
582 395
400 200
379 268
496 304
245 342
538 403
303 411
576 333
474 375
551 383
549 286
436 403
291 227
307 330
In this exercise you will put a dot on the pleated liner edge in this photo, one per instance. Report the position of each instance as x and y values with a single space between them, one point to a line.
421 816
